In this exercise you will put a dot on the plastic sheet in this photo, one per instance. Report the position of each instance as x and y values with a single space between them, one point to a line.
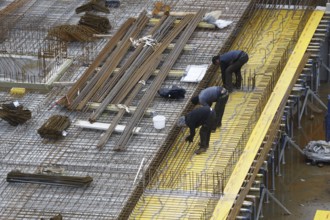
318 151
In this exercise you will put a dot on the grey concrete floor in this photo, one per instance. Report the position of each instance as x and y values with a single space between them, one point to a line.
302 188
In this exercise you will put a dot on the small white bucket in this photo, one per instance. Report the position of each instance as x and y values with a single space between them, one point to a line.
159 121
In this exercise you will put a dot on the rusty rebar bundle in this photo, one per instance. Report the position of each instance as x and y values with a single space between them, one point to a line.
69 33
57 217
98 23
18 176
54 127
93 5
14 115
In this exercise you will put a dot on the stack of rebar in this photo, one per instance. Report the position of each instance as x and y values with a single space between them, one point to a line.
14 115
104 77
93 5
150 94
70 33
103 54
98 23
54 127
18 176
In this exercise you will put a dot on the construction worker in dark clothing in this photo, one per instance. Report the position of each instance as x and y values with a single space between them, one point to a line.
212 94
231 62
202 116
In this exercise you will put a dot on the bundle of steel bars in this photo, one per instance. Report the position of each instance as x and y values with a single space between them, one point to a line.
14 115
93 5
54 127
17 176
98 23
69 33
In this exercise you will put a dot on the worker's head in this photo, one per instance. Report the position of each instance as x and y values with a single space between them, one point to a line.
223 91
181 121
194 100
216 60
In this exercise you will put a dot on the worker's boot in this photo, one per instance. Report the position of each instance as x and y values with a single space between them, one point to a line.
200 150
228 88
237 85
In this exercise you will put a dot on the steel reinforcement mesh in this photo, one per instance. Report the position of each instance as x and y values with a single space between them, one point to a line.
115 174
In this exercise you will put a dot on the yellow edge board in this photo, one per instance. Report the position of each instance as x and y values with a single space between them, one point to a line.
322 215
241 169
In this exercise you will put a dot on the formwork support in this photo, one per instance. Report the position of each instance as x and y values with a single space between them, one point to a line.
286 140
264 191
327 122
309 93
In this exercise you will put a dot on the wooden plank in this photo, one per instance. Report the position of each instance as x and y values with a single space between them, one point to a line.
116 107
103 126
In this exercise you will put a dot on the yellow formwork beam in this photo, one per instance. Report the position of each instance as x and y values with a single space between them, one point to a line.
257 136
322 215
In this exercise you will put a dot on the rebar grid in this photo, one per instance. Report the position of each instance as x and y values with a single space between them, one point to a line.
169 181
113 172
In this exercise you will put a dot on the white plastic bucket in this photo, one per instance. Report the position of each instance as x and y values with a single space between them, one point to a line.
159 121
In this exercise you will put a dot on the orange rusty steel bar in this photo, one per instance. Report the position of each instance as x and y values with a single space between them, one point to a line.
127 65
81 82
141 70
111 63
136 90
105 137
115 59
148 97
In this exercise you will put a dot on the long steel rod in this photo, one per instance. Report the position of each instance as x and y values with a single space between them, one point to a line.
114 60
81 82
128 77
148 97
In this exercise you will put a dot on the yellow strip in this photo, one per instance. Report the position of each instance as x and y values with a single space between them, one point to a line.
17 91
243 165
322 215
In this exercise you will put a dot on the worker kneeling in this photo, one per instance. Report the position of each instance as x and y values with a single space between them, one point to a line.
212 94
202 116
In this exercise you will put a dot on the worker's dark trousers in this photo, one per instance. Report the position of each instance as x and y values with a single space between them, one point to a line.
220 109
204 134
235 67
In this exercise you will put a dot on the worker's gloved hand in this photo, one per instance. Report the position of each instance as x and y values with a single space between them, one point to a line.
189 139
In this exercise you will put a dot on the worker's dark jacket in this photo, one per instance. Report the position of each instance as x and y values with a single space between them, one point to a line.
213 94
228 58
209 95
202 116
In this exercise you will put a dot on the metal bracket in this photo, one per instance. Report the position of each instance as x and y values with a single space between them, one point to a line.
308 93
264 190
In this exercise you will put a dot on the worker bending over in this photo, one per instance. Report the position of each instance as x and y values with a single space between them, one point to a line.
216 94
202 116
231 62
